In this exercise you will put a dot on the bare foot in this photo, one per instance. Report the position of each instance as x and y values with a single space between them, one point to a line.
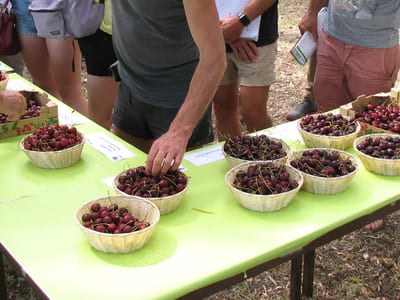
375 226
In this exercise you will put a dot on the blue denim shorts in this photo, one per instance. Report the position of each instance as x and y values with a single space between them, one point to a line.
25 23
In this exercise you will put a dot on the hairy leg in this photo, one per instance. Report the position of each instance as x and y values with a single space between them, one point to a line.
64 55
102 92
253 103
36 57
225 105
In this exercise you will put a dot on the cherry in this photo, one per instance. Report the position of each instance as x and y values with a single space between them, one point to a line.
384 117
254 148
264 179
86 217
135 181
95 207
328 124
52 138
385 147
111 219
323 163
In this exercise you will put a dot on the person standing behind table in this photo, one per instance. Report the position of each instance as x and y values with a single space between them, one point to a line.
49 60
358 50
13 104
171 58
16 62
358 53
308 104
250 71
102 89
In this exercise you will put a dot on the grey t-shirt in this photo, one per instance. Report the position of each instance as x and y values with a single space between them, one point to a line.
155 49
365 23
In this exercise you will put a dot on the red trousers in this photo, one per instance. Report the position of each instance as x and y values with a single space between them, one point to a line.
345 72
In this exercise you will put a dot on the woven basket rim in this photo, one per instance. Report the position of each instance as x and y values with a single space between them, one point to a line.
245 160
351 156
21 144
363 137
249 163
91 231
114 183
301 130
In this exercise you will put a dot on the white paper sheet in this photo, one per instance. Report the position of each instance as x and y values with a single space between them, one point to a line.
205 156
109 147
228 8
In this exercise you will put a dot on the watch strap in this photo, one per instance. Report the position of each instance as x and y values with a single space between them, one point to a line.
244 19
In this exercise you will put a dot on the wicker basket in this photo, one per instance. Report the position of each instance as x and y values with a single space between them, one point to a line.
3 83
233 161
55 159
390 167
166 205
262 203
124 242
312 140
326 185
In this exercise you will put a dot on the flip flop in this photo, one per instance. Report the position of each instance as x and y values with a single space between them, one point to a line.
375 226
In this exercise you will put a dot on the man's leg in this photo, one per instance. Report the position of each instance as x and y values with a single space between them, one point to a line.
308 104
225 105
14 61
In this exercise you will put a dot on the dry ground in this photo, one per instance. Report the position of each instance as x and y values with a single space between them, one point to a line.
361 265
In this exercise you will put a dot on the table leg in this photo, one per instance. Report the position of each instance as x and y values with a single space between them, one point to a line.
3 287
308 273
295 277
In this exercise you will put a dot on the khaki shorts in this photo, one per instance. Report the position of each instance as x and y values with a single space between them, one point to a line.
259 73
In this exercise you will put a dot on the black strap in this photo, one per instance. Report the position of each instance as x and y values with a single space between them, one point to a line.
73 55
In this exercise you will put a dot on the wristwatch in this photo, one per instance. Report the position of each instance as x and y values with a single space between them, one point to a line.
243 19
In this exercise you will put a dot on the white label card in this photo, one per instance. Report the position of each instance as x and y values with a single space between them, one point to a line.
69 117
19 85
110 148
205 156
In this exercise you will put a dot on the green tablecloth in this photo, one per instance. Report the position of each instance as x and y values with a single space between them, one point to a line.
207 239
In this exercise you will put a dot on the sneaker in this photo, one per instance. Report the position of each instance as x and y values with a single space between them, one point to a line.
304 107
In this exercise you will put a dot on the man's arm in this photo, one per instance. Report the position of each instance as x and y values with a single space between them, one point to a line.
168 150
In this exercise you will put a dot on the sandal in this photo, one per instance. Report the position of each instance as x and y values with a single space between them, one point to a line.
375 226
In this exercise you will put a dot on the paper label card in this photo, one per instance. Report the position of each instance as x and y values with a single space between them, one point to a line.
69 117
19 85
205 156
109 147
304 48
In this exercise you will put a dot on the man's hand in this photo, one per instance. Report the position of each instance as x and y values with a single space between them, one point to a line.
309 22
13 104
245 50
166 153
231 28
